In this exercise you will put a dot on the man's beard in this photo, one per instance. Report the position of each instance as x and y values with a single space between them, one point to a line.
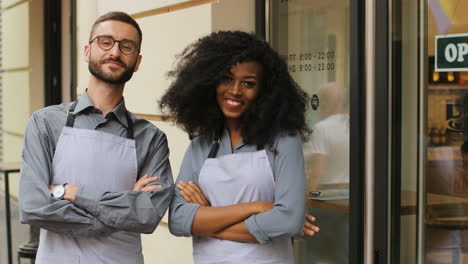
96 70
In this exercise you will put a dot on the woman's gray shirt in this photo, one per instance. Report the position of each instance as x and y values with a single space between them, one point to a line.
287 163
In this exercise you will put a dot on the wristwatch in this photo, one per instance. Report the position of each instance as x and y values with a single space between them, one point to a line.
59 191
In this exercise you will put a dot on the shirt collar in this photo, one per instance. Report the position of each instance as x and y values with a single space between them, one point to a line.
226 141
120 111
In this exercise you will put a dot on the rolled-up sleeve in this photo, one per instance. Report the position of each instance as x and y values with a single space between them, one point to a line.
37 207
287 216
181 213
134 211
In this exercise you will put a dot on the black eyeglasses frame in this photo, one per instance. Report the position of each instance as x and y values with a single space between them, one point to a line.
137 47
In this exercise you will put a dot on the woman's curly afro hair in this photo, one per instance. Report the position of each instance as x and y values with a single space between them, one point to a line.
191 98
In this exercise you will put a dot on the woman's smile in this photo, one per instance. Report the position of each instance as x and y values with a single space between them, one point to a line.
233 103
239 90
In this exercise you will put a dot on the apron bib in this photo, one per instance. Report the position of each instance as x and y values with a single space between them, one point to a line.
104 161
232 179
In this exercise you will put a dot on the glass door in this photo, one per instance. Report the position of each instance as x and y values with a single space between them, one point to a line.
314 39
430 88
446 145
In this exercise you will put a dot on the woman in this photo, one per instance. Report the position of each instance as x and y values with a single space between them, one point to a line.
242 177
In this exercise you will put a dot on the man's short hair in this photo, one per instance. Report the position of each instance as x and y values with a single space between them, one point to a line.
117 16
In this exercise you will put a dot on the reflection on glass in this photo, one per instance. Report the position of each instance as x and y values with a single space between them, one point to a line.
327 152
313 38
446 219
327 166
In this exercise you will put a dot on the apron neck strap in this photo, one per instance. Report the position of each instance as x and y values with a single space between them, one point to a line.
130 126
71 115
71 120
214 149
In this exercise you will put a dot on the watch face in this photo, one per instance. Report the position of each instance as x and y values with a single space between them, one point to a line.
59 191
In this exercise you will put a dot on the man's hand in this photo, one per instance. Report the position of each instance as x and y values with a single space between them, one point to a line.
309 228
142 184
70 191
192 193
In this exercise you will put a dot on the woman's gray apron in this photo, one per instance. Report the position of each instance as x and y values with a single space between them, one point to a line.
233 179
101 160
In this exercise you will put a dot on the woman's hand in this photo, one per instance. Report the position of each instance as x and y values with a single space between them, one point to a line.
192 193
262 206
309 228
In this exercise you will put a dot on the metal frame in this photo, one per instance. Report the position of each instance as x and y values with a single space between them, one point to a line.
8 217
52 52
1 86
260 18
6 173
369 254
357 131
395 92
382 126
73 50
422 106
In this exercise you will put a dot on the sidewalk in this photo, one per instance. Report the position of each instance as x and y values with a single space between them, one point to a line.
19 232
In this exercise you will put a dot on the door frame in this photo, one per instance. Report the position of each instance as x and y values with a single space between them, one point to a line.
52 52
383 142
357 132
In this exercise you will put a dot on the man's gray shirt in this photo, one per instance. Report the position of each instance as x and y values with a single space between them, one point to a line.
94 212
287 164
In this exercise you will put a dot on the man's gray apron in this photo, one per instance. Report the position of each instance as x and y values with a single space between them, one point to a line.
233 179
104 161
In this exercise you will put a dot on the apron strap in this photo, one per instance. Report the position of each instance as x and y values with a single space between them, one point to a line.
71 115
71 120
214 149
130 126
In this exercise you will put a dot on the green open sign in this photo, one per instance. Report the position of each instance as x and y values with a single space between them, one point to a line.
451 53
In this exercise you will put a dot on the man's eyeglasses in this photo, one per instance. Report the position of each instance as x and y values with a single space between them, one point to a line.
106 42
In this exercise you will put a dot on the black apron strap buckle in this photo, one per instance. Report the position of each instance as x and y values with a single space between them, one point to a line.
71 115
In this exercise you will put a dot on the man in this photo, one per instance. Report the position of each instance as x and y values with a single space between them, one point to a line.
328 147
327 163
84 177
